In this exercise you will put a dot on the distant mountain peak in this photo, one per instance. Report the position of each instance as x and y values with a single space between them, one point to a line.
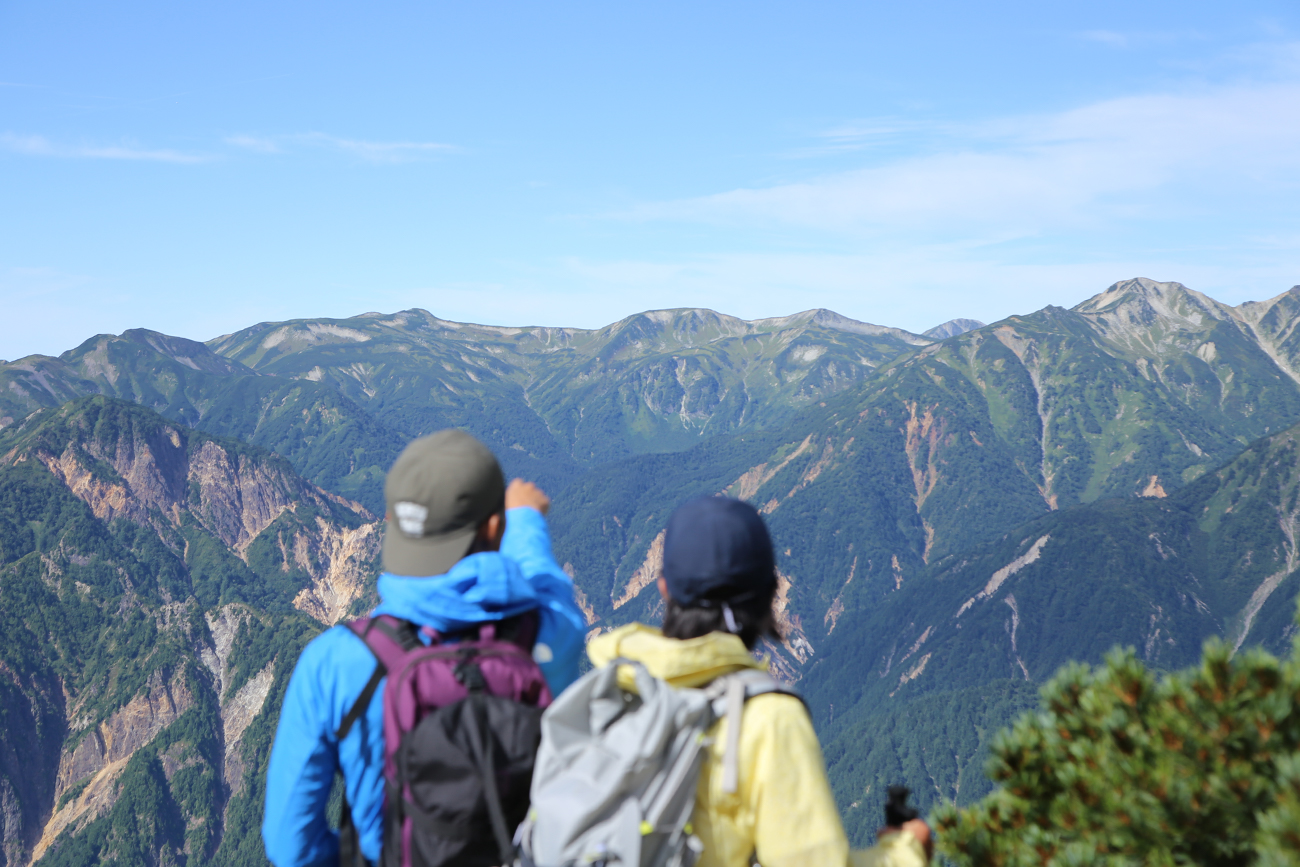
1144 314
1162 297
952 328
710 325
830 319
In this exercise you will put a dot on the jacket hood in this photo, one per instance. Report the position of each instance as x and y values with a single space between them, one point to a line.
690 663
479 589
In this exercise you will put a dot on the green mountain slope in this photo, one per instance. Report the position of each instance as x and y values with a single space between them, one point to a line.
1219 557
156 584
955 445
657 381
953 519
326 436
338 398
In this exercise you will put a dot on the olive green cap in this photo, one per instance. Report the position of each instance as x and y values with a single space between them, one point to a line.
440 489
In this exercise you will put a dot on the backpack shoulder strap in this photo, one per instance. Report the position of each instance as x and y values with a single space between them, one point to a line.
729 694
388 639
759 681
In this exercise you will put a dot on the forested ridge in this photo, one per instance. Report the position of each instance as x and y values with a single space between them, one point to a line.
955 520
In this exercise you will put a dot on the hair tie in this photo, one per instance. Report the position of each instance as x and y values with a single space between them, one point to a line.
732 626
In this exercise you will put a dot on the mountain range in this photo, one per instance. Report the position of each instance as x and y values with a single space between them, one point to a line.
957 514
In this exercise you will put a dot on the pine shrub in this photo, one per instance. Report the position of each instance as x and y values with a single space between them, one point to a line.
1121 766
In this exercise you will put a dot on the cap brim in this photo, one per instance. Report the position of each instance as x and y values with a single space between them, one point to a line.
421 558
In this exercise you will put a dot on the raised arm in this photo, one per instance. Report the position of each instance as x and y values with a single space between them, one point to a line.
527 542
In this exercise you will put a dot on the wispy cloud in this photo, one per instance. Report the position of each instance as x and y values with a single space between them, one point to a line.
369 151
866 134
988 218
260 144
1021 175
384 151
39 146
1106 37
1139 38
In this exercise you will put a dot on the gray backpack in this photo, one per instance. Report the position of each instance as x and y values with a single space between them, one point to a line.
615 778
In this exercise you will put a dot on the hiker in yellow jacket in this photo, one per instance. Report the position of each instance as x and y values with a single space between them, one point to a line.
718 585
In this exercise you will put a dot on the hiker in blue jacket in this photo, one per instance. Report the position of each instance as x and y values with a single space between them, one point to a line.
460 549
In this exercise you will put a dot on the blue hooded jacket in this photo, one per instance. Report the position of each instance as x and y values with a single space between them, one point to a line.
335 666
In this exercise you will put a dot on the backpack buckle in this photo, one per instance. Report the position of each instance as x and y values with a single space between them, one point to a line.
468 673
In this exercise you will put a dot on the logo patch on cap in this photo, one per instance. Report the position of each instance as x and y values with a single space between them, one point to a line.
411 518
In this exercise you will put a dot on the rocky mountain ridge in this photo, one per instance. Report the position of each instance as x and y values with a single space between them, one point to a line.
953 445
952 328
1217 558
151 579
550 400
955 514
656 381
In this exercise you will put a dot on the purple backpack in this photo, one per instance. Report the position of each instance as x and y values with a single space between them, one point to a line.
462 723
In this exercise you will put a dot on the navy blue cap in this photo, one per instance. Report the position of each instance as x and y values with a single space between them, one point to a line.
717 550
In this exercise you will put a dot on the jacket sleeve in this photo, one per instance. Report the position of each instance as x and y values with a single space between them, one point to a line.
560 638
900 849
304 759
795 820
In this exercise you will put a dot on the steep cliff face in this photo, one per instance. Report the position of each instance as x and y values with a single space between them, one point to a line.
89 771
972 511
32 730
341 562
148 578
127 464
1135 393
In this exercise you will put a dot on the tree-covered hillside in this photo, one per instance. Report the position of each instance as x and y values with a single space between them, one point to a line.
326 436
339 398
156 585
1218 558
955 519
955 445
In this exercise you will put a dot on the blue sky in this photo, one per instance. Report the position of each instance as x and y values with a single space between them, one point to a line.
197 168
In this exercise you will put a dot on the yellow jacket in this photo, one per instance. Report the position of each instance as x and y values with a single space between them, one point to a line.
782 811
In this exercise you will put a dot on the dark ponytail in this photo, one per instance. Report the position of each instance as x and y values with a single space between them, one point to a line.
753 618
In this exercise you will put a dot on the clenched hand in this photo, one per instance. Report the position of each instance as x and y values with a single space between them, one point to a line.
521 493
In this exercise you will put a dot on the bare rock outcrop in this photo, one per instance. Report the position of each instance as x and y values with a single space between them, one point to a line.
240 709
223 625
239 497
646 574
31 734
101 755
237 713
339 562
150 472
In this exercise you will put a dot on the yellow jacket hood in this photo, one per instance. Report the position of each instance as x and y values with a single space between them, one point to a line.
690 663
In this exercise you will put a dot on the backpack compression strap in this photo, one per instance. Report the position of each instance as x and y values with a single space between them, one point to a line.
388 639
729 694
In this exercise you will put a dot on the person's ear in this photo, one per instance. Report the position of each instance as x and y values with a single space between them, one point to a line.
663 589
491 531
